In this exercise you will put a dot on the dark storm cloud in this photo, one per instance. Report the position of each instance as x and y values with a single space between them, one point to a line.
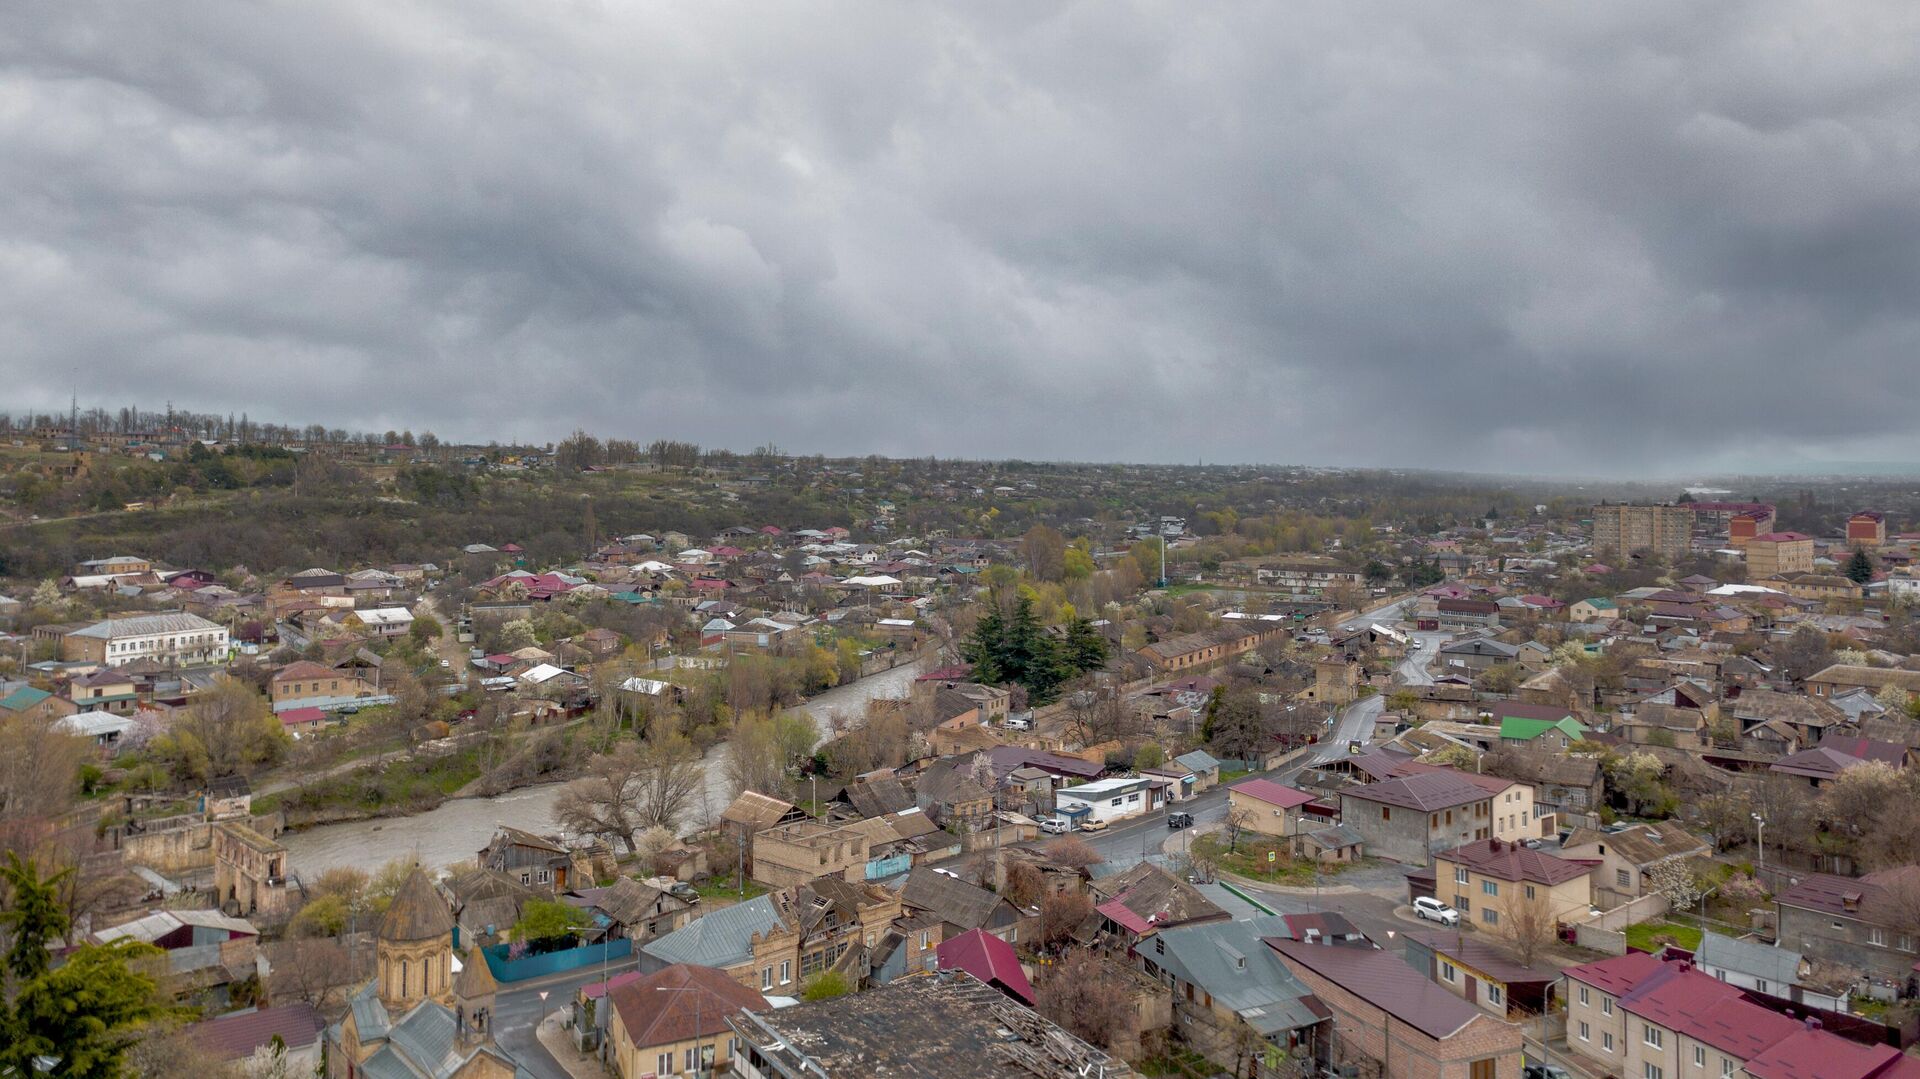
1544 237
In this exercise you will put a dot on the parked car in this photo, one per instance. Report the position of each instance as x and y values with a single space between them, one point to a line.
1536 1070
1019 723
1179 819
1093 826
683 891
1055 826
1354 745
1433 910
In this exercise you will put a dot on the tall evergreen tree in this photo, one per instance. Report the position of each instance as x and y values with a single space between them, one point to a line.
1860 566
84 1016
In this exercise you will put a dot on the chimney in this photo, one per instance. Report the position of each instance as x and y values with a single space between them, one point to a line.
1813 1022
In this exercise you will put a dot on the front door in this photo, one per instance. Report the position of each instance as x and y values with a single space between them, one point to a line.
1473 989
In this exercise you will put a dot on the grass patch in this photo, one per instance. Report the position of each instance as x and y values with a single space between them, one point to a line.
1178 1064
401 784
729 888
1651 936
1228 775
1249 859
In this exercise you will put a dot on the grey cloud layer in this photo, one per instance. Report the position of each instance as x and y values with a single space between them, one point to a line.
1633 235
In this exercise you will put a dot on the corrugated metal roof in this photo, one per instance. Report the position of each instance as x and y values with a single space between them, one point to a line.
719 939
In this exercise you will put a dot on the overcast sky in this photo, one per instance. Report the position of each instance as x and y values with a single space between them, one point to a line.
1636 236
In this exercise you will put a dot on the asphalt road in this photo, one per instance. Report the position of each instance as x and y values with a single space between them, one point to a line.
518 1010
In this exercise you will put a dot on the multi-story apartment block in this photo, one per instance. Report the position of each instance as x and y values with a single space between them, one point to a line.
1666 530
1779 552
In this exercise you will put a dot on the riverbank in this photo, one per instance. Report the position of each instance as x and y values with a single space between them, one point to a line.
450 828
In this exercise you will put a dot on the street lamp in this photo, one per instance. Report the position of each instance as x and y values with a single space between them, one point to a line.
1386 1032
699 1056
1760 839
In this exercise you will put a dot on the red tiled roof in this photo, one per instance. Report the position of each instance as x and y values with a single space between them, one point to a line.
294 716
1811 1053
1266 790
1780 537
231 1037
1616 975
987 958
1121 916
652 1017
1503 860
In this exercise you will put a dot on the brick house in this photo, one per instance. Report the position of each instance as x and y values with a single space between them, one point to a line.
1489 879
1384 1013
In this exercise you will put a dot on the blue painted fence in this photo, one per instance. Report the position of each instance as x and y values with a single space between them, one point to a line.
539 966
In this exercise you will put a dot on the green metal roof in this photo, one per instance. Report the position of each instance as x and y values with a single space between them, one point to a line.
1526 730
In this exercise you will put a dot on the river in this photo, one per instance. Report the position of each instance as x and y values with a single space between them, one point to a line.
457 829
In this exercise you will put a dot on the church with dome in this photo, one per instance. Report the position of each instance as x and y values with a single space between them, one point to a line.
418 1018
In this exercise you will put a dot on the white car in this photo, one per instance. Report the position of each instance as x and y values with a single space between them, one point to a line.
1433 910
1055 826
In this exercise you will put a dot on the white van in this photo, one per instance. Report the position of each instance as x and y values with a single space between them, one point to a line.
1019 723
1055 826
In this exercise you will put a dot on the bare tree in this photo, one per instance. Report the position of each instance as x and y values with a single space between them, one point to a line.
1060 915
312 969
605 802
1527 926
1080 994
1238 821
1073 852
671 775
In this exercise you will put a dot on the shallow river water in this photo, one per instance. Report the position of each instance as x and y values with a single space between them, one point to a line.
457 830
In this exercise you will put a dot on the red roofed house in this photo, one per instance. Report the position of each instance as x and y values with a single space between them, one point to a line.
662 1020
1385 1012
1655 1017
989 959
303 721
1270 808
1868 528
1491 879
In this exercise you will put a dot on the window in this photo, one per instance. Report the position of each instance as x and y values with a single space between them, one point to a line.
1726 1068
1652 1072
1448 972
1606 1005
1760 985
1530 894
923 940
1494 995
1606 1040
1622 878
1651 1034
1583 996
1116 801
1586 1033
1699 1056
1877 936
1490 916
1385 813
1491 887
665 1063
786 971
766 973
1905 943
1460 874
